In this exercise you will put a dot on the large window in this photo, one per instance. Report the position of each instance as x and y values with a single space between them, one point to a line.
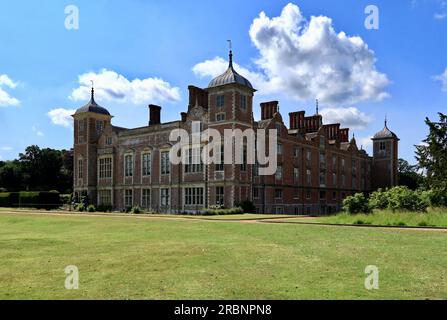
128 198
220 101
221 157
244 102
334 179
80 169
99 125
105 168
164 197
309 177
296 175
81 131
279 173
244 159
194 161
193 196
296 152
146 165
220 196
105 197
279 149
146 198
128 165
278 193
165 163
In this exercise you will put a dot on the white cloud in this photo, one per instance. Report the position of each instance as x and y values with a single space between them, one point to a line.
6 148
5 98
366 143
61 117
308 59
443 79
37 131
350 117
111 86
442 13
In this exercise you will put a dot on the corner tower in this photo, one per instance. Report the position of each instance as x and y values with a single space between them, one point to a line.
89 124
385 158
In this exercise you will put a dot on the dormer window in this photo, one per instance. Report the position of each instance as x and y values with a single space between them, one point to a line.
220 101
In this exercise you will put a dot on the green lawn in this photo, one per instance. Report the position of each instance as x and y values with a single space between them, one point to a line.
129 258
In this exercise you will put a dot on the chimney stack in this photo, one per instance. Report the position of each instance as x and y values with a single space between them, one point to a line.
154 114
184 116
268 109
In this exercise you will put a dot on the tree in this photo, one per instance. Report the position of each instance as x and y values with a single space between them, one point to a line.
432 155
409 175
38 169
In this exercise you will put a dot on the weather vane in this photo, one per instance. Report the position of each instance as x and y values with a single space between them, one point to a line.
229 43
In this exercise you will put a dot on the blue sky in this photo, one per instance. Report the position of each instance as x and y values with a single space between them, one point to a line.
169 45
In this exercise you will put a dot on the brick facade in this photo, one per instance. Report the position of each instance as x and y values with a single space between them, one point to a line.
320 166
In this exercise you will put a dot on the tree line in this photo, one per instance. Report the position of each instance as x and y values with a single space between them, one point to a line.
38 170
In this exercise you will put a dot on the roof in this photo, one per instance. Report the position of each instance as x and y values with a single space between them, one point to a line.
93 107
385 133
230 77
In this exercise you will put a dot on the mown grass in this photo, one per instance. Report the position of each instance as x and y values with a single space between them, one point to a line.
432 218
127 258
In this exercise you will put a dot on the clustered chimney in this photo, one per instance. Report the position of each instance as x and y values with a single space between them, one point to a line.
344 135
154 114
332 131
197 96
268 109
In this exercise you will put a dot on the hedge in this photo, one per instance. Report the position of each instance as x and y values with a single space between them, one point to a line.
40 200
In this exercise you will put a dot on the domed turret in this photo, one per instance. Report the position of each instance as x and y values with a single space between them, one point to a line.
93 107
230 77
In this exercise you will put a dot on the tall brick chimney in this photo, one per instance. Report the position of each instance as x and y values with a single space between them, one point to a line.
268 109
154 114
296 120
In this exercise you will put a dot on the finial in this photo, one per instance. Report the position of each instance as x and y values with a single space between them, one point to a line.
231 53
93 90
317 105
386 120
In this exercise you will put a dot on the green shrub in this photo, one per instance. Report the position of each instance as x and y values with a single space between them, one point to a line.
91 208
104 208
379 199
80 207
136 210
402 198
223 212
357 203
247 206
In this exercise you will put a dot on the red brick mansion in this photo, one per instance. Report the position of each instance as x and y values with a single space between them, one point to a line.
318 164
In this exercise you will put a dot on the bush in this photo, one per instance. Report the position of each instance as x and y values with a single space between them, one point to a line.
80 207
402 198
357 203
104 208
247 206
223 212
91 208
136 210
38 200
379 199
436 198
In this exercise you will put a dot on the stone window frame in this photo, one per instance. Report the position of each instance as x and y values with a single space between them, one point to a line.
143 154
131 172
147 197
105 157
